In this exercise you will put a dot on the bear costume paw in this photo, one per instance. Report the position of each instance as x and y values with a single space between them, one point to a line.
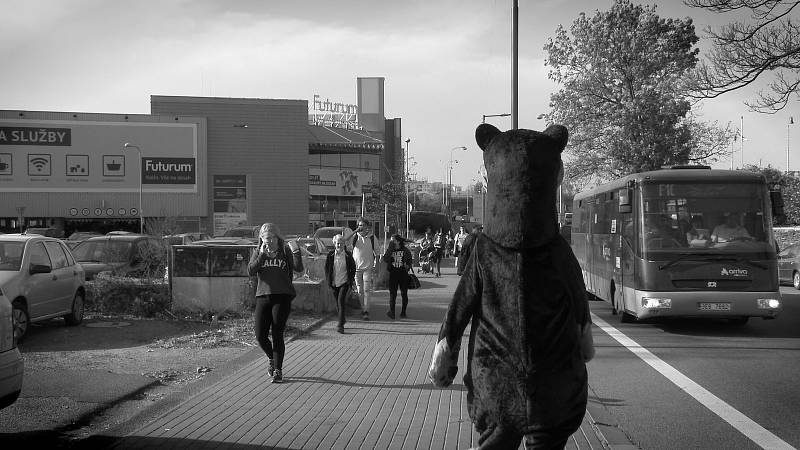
444 365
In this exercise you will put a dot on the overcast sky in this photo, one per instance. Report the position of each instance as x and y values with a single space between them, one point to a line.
446 63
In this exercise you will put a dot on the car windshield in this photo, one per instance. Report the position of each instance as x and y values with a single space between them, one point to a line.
11 255
705 217
103 250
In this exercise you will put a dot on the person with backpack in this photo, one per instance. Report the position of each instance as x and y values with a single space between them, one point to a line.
366 258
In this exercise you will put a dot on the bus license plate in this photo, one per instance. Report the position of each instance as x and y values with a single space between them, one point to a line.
715 306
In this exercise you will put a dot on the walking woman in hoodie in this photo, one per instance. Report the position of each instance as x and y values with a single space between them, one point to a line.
275 262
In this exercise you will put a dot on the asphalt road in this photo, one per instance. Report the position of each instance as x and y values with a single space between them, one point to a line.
734 386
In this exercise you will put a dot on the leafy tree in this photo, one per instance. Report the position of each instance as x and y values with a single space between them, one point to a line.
743 52
622 72
393 195
789 185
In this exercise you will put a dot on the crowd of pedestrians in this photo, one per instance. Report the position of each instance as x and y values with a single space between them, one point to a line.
276 260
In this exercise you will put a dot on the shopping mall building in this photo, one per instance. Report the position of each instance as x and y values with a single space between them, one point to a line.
198 164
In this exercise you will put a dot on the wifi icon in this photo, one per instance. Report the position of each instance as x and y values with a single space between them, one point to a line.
39 165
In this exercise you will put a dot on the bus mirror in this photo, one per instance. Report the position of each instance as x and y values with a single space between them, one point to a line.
625 200
776 198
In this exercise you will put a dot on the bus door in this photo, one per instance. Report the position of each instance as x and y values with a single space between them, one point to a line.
624 267
590 247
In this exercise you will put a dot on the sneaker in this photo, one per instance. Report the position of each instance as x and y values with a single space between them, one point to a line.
390 314
402 315
271 369
340 329
278 376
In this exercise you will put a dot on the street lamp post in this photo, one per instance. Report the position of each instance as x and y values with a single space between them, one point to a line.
405 181
448 197
141 213
791 122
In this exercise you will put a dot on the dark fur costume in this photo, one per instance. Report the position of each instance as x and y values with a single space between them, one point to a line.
523 292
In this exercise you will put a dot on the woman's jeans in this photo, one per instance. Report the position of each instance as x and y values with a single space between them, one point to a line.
272 312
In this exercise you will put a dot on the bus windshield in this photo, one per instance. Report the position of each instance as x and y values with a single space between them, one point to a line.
702 217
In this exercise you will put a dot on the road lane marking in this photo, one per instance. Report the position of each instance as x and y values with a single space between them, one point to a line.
755 432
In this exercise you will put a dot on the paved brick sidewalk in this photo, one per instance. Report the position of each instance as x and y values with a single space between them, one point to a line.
365 389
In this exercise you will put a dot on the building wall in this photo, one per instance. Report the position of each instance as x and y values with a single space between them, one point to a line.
272 151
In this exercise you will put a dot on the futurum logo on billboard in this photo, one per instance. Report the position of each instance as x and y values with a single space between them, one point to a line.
168 170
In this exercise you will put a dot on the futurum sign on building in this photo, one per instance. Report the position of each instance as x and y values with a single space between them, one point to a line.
64 156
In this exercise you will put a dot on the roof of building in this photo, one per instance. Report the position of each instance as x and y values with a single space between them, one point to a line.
324 138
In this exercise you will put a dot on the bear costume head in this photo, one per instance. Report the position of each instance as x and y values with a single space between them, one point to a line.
524 169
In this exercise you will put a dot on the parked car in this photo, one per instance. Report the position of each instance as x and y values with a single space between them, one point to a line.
185 238
326 234
42 279
11 363
315 246
79 236
789 266
248 232
131 255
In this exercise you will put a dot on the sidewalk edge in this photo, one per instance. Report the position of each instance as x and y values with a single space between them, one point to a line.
607 429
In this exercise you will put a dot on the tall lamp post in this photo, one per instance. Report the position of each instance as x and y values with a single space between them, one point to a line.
141 213
791 122
405 181
448 198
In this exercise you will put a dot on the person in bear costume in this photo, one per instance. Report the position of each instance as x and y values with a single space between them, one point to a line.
523 291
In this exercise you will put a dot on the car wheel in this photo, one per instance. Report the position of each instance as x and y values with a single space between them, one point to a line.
796 280
21 320
75 317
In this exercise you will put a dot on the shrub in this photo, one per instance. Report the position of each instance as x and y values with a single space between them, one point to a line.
141 297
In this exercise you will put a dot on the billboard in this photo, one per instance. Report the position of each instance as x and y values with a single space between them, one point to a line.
338 182
82 156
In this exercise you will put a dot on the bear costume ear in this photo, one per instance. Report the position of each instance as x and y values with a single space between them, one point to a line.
559 134
484 135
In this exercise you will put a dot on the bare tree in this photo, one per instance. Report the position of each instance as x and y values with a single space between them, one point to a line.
743 52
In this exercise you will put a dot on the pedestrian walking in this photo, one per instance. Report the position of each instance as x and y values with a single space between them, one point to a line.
340 270
398 262
466 249
439 242
275 262
459 242
366 259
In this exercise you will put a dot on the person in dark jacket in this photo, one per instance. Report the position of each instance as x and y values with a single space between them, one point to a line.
398 262
274 261
340 270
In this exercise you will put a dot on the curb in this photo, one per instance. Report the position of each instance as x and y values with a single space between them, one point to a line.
607 429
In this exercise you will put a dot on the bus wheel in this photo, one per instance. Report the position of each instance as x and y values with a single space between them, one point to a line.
738 320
